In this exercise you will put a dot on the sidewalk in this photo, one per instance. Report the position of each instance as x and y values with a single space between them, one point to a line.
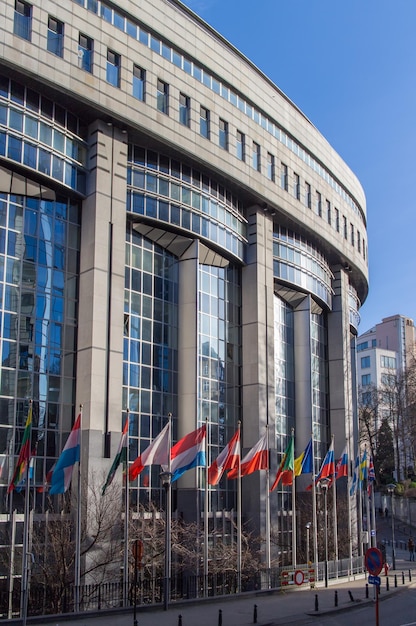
274 608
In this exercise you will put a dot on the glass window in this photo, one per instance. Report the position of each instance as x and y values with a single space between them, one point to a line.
85 52
284 182
336 220
113 68
55 42
296 186
162 96
184 109
23 19
352 234
223 134
308 196
366 380
139 78
240 141
204 122
270 166
365 361
328 212
318 205
256 156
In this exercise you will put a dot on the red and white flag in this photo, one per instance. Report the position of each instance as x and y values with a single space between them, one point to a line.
155 454
228 459
256 459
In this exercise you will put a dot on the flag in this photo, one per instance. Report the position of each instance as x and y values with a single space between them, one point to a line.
155 454
355 476
21 485
47 482
24 455
303 464
363 467
286 467
341 468
62 474
228 459
121 456
371 470
188 452
256 459
328 465
371 476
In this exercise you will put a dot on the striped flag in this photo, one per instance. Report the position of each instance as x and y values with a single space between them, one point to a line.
256 459
228 459
188 452
62 474
341 468
121 456
157 453
286 467
24 455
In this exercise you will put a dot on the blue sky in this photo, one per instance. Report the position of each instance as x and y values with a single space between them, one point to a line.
351 67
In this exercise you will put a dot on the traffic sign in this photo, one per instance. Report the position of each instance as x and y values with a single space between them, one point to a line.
374 580
374 561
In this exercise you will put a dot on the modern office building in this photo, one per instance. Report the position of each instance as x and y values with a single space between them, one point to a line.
176 236
385 356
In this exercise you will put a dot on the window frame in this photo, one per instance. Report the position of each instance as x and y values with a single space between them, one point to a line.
55 36
184 109
113 67
139 83
223 133
162 96
22 22
85 52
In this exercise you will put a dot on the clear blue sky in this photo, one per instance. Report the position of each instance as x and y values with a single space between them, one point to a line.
350 65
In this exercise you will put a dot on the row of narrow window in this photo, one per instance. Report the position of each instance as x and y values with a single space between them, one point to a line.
245 151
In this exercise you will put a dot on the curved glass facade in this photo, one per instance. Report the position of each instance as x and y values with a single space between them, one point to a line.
150 352
166 190
41 135
319 373
219 357
297 261
39 267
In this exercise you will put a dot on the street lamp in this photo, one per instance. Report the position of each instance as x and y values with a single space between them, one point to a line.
166 478
308 527
324 484
390 488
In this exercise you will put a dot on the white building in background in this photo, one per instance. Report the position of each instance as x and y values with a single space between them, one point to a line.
383 355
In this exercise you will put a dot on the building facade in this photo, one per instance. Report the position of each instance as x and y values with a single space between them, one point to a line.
385 366
176 237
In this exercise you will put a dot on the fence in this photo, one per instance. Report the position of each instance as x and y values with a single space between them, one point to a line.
54 600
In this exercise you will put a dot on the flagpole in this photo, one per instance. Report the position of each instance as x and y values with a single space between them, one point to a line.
315 528
239 513
78 524
335 519
294 538
268 557
126 520
26 527
206 514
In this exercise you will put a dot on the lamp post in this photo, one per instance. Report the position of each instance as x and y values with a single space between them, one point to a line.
390 489
308 527
324 486
166 478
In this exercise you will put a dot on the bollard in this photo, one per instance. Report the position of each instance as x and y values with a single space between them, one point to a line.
410 576
255 614
316 602
366 591
402 578
336 598
220 618
387 584
180 620
395 580
351 596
